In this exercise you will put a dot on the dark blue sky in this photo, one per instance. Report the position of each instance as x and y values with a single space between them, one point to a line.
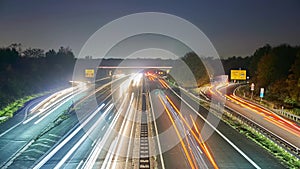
235 27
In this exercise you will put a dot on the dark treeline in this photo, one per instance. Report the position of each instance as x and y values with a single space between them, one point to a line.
31 71
277 69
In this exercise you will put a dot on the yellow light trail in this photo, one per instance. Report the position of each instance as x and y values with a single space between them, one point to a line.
178 134
163 84
285 127
205 148
191 152
269 113
201 143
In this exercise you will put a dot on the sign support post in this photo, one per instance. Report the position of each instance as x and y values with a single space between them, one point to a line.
252 89
261 94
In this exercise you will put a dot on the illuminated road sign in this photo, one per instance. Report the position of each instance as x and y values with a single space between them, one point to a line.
238 75
89 72
261 94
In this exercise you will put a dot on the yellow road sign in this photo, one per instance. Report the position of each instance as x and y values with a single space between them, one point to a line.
238 74
89 72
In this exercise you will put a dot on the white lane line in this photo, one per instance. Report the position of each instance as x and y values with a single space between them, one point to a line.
130 137
93 143
26 110
82 139
79 165
110 156
57 148
103 128
96 151
157 136
225 138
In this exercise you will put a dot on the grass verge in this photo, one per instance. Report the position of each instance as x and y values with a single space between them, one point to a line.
8 111
286 158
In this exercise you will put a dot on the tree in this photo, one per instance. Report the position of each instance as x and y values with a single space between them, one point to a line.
255 58
197 67
293 81
33 53
8 58
265 71
32 73
16 46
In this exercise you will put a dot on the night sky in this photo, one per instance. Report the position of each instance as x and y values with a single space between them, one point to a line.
235 27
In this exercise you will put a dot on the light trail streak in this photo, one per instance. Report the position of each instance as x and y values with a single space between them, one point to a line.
120 138
135 67
156 131
177 132
82 139
163 84
269 113
189 146
217 131
89 163
68 97
97 90
67 139
201 142
286 126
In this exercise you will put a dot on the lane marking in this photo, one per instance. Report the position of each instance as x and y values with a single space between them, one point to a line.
82 139
79 165
157 136
225 138
130 138
123 129
57 148
26 111
100 143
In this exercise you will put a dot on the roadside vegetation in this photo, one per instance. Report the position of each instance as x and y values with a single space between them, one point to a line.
243 92
277 70
286 158
8 111
289 160
24 74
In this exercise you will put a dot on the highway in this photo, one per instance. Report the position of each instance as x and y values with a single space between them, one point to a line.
284 128
225 148
22 133
136 121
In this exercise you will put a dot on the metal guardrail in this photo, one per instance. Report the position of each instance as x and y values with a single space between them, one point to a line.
287 145
277 111
294 149
287 115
